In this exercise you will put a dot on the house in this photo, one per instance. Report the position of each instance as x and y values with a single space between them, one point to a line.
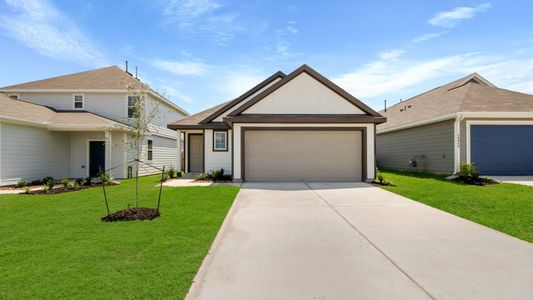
295 127
467 120
75 125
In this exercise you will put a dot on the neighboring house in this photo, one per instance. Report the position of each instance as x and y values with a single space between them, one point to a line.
296 127
467 120
74 125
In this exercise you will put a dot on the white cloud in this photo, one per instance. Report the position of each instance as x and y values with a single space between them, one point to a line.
450 19
180 67
39 25
292 29
427 36
201 16
237 82
391 54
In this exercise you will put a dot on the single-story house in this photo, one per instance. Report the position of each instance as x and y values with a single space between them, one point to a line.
295 127
467 120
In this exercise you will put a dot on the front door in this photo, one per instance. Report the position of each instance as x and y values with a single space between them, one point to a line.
96 157
196 153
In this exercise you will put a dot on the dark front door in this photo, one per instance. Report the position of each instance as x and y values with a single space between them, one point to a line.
96 157
502 149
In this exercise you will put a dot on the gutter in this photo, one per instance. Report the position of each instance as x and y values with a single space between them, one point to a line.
457 142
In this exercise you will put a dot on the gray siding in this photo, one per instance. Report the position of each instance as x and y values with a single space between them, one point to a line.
433 141
30 153
165 153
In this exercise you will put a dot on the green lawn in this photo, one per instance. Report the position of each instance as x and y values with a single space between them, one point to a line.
504 207
55 246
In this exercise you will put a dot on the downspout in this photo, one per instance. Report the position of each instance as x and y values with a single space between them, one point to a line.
457 142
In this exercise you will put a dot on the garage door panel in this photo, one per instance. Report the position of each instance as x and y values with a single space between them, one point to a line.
502 149
302 155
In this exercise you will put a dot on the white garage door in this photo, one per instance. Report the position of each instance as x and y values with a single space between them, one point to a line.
281 155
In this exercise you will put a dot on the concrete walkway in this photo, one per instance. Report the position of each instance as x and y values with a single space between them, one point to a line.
523 180
355 241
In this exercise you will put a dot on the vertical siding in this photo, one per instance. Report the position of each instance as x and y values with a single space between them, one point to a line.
434 141
216 160
30 153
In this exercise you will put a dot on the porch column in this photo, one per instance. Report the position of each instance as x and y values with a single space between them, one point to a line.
108 147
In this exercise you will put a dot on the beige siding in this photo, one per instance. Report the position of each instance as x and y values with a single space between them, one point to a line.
30 153
110 105
79 155
303 95
216 160
431 144
165 153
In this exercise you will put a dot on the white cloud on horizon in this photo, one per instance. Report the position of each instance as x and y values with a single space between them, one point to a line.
39 25
391 54
451 18
180 68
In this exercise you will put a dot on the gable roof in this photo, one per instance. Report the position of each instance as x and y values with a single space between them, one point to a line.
471 93
104 79
239 99
317 76
20 111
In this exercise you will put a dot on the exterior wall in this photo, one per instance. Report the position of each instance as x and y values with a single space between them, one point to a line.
370 138
110 105
432 144
216 160
165 153
303 95
221 117
79 152
29 153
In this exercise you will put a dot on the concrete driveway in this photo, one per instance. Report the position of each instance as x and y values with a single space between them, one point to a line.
523 180
355 241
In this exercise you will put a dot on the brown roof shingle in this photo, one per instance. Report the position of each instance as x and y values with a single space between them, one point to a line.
462 95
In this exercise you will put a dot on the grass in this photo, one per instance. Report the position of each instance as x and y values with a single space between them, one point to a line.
55 246
505 207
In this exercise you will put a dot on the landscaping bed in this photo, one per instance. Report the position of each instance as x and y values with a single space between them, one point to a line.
133 214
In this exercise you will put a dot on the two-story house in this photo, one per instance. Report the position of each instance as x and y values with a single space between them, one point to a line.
75 125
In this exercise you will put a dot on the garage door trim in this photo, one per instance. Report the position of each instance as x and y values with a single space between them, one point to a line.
363 130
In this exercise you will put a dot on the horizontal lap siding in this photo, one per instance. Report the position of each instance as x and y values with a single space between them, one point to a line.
434 141
165 153
30 153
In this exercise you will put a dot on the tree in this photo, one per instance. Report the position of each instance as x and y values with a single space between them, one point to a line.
140 115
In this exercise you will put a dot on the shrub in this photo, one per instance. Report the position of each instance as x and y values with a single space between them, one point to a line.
203 176
165 177
380 178
468 170
48 182
36 182
171 172
80 181
21 184
88 180
105 177
27 190
46 188
179 174
65 182
72 186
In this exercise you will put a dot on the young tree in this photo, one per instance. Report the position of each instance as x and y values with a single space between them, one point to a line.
141 113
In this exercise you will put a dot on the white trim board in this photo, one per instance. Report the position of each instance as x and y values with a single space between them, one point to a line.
469 123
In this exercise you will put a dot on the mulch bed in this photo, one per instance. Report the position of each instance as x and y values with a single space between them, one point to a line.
382 183
61 190
475 181
132 214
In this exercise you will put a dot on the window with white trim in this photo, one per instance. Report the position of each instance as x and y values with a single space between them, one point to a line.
132 104
78 101
13 96
150 150
220 141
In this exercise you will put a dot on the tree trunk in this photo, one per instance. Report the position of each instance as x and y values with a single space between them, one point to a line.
137 184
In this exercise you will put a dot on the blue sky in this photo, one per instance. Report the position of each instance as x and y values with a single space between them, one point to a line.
200 53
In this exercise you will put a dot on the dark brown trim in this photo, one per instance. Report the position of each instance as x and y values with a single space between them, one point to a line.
214 125
286 118
188 154
213 141
363 141
237 100
305 68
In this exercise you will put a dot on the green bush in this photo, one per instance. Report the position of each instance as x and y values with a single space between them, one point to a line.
171 172
88 180
165 177
468 170
27 190
80 181
49 182
380 178
21 184
202 176
105 177
65 182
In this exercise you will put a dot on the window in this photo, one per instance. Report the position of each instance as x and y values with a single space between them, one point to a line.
220 141
150 149
78 101
132 102
13 96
